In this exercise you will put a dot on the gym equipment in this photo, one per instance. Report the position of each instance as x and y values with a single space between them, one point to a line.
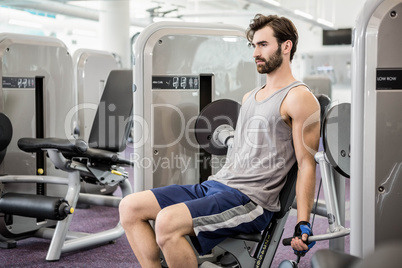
91 68
257 249
214 127
375 139
335 132
95 162
172 86
6 133
375 134
31 90
179 68
38 98
387 254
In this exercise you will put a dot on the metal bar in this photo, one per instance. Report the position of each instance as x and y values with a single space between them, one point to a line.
329 192
339 183
62 227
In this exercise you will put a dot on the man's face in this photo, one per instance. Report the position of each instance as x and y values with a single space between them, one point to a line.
267 53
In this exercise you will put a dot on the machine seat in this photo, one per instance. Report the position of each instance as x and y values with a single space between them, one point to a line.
76 148
110 129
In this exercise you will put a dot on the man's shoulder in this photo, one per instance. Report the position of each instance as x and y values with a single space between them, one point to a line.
300 93
300 99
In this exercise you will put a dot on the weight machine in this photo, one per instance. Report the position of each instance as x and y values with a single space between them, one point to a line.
40 200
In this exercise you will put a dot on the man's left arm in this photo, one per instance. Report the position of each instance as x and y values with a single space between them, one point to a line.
304 111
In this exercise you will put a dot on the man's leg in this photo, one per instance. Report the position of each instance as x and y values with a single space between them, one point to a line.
135 211
171 226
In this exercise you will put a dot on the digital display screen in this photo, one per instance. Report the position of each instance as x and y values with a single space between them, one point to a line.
182 82
18 82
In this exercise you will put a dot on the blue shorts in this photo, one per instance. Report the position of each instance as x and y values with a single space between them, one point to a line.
218 211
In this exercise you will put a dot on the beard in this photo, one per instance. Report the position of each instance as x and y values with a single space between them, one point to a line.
273 62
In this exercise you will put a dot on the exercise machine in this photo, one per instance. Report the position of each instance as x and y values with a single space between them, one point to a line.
174 137
333 160
179 68
37 93
95 161
375 140
91 69
214 132
375 134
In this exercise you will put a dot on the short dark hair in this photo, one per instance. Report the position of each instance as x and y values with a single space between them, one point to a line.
283 28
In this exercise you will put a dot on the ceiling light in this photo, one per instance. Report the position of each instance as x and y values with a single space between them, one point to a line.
158 19
303 14
273 2
325 22
230 39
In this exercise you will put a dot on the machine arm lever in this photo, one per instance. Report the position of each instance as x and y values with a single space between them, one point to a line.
340 233
76 148
32 145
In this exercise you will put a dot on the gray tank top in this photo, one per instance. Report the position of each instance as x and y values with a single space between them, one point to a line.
262 153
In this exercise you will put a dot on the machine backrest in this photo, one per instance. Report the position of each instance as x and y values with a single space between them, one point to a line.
324 101
336 137
113 118
6 133
288 192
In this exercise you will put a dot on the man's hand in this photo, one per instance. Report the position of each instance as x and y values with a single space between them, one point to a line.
301 246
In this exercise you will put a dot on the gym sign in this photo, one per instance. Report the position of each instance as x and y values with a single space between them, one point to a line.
389 79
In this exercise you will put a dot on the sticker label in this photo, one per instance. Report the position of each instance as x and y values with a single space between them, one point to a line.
389 79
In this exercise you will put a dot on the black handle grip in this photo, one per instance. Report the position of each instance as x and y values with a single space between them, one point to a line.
286 241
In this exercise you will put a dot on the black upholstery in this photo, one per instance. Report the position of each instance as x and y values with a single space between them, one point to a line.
288 193
324 101
110 130
113 119
32 145
6 133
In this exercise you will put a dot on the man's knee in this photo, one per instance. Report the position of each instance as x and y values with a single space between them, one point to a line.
164 227
141 206
131 209
170 225
127 209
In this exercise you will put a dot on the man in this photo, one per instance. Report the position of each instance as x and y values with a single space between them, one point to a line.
271 135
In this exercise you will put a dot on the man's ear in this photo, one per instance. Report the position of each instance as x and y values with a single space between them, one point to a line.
287 47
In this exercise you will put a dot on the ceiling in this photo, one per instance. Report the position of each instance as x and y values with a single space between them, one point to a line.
142 12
